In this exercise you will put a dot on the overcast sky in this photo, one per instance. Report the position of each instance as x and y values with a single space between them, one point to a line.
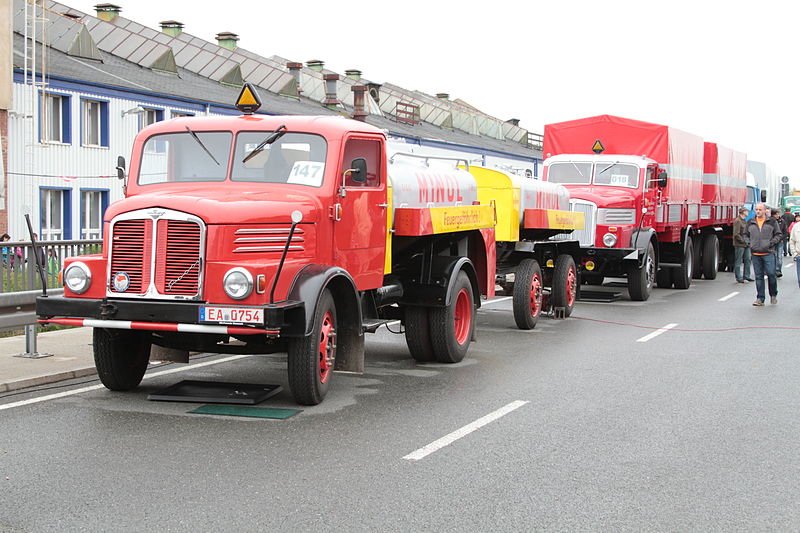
724 70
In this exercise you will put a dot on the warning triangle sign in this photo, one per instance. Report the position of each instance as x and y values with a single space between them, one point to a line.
248 101
598 147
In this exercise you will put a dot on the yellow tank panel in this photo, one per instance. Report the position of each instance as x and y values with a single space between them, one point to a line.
495 186
387 265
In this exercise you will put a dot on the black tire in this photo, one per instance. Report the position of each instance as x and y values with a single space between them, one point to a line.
564 289
664 278
640 280
697 264
121 357
418 333
710 256
527 297
310 363
452 326
682 277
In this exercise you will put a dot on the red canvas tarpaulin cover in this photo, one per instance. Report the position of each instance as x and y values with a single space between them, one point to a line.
678 152
724 175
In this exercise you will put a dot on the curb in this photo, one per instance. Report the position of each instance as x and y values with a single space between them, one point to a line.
46 380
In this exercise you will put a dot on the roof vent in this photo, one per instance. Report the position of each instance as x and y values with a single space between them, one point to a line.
443 96
353 74
315 64
107 12
331 101
173 28
294 70
227 40
359 103
513 121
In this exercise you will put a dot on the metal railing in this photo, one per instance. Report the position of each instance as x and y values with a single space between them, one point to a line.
20 269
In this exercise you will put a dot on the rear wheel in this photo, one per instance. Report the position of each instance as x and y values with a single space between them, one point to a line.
527 298
697 264
710 256
121 357
418 333
664 278
564 290
311 359
640 279
452 326
682 276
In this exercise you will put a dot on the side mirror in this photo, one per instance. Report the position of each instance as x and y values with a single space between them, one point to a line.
120 168
763 195
662 179
358 170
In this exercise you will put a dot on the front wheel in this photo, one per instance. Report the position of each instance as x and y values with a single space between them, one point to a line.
640 279
452 326
311 359
121 357
564 290
527 299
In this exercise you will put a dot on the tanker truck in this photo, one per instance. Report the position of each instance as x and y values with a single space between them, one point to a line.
658 201
263 234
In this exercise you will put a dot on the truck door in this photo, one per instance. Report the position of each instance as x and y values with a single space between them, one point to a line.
652 196
360 231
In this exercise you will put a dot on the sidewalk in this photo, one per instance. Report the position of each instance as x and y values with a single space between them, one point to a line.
72 358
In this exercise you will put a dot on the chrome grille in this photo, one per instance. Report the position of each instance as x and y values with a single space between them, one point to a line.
249 240
616 216
178 259
130 254
586 235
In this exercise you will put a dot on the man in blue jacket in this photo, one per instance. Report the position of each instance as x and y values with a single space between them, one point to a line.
763 234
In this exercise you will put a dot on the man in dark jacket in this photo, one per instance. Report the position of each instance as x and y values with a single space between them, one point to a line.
742 252
781 246
763 234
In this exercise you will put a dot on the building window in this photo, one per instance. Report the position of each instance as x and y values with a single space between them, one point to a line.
177 114
150 116
93 205
95 122
55 214
55 118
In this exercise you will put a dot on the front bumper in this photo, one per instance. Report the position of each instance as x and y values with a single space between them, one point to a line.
280 319
609 261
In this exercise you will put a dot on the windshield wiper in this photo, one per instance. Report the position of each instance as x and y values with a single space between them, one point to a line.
578 169
203 146
269 140
609 166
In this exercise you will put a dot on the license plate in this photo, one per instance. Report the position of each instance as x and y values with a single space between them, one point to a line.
232 315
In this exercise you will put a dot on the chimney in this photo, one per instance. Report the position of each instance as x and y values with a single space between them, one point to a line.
107 12
360 112
294 70
443 96
331 101
353 74
227 40
315 64
513 121
173 28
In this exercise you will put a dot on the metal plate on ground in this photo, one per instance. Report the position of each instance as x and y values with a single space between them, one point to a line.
598 296
216 392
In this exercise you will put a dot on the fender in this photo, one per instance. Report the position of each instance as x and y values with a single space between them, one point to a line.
640 240
686 234
436 293
307 287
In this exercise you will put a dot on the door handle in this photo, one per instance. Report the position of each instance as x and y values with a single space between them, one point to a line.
383 206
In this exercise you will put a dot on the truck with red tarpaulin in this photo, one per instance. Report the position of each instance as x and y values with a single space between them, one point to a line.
658 201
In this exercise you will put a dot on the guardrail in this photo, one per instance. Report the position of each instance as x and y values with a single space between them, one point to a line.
20 270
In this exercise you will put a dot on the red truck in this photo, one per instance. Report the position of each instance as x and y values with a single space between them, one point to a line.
657 201
261 234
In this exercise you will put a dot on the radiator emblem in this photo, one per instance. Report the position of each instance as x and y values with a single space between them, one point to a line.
121 281
155 214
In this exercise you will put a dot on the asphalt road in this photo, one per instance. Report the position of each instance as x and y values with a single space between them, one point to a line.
590 423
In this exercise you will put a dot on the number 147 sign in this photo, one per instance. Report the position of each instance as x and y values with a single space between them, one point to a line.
307 173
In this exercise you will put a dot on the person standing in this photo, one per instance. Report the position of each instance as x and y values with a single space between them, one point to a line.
742 251
763 235
780 246
794 245
788 220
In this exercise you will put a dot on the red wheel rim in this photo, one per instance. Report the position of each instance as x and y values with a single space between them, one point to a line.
572 286
327 347
462 316
536 295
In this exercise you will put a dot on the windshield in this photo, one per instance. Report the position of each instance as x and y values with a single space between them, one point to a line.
792 201
576 173
602 173
189 156
296 158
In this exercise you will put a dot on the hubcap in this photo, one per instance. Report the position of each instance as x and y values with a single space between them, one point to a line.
650 271
572 286
327 347
536 295
462 316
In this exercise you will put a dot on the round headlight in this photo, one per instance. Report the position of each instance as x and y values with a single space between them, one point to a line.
238 283
77 277
609 239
